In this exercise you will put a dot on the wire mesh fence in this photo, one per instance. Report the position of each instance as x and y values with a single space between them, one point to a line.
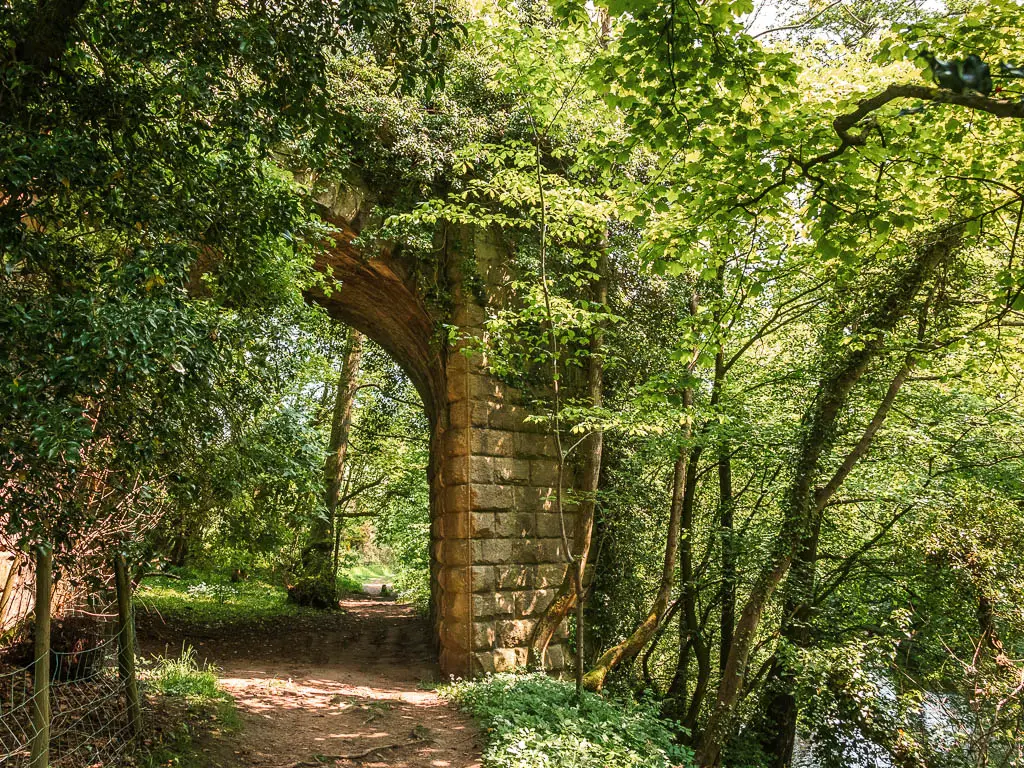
90 724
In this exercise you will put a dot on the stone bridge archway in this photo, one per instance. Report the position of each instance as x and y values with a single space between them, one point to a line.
497 552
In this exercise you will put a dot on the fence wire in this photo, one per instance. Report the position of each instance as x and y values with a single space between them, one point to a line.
89 723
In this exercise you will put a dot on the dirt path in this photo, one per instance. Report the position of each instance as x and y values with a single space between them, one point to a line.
337 686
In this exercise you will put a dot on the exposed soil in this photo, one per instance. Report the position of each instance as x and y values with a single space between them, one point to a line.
336 684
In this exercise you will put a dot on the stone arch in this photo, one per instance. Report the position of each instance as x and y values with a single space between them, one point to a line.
496 548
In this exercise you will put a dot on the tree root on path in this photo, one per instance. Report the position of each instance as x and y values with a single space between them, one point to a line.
324 759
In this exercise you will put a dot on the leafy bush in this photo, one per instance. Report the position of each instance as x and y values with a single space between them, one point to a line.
184 676
534 721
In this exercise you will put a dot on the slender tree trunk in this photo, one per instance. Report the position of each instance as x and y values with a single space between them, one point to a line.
572 583
317 585
40 742
632 645
796 629
782 709
727 526
684 706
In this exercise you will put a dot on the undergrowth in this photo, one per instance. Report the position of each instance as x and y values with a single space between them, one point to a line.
185 702
212 599
534 721
183 676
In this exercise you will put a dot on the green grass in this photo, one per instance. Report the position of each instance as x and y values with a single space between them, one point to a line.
187 700
368 572
534 721
183 676
211 599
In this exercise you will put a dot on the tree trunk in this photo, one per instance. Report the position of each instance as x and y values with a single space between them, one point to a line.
317 584
782 709
796 626
684 707
727 525
632 645
572 583
817 438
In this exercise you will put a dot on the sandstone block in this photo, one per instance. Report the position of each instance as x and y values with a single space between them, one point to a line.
454 579
498 660
531 499
483 578
455 525
514 632
493 604
458 381
492 442
481 525
456 498
556 657
515 525
549 525
480 413
456 470
492 551
532 603
503 416
484 634
530 445
549 575
490 497
455 552
484 387
514 576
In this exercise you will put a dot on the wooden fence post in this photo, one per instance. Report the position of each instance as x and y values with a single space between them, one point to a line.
126 644
40 749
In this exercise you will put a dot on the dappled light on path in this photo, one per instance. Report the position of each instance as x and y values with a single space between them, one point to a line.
336 685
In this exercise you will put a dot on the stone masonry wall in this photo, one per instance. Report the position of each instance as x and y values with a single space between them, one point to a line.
496 537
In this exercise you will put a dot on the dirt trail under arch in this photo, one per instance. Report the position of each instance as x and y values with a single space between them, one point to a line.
337 685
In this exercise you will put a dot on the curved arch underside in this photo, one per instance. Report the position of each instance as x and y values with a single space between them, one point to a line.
376 296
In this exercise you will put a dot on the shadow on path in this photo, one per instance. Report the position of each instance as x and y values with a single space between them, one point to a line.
339 684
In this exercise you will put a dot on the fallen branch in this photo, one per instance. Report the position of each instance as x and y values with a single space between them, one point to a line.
322 759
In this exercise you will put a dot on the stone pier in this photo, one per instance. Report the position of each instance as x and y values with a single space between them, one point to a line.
497 551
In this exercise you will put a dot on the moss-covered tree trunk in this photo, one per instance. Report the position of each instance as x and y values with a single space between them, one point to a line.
803 501
316 584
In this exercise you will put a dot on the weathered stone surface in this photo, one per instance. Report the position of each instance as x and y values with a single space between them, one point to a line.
490 497
532 602
456 498
485 635
456 552
529 445
492 551
532 499
485 388
499 469
488 605
456 470
549 525
514 632
549 575
499 660
484 578
557 657
455 580
455 525
515 576
492 442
